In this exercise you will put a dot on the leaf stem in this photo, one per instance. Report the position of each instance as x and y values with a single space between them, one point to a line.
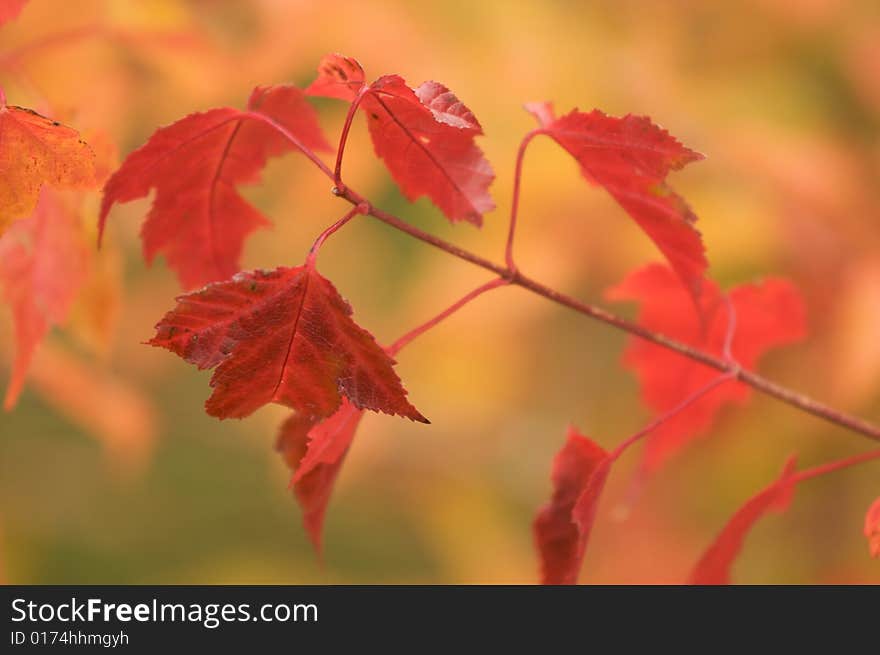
836 465
660 420
403 341
514 204
343 137
316 246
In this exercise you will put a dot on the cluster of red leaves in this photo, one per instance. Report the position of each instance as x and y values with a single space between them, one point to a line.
286 336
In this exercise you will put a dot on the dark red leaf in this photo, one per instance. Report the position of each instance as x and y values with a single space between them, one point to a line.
198 220
768 315
424 136
562 528
43 263
630 157
315 452
284 336
715 564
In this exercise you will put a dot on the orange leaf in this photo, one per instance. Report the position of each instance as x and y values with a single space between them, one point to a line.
37 151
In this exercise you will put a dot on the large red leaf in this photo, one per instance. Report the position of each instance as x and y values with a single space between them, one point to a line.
715 564
198 220
37 151
630 157
283 336
768 315
562 528
315 453
425 137
872 528
43 262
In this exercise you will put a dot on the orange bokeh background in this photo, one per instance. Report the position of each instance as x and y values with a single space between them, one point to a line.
110 472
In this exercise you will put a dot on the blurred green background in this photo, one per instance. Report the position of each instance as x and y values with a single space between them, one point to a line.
110 471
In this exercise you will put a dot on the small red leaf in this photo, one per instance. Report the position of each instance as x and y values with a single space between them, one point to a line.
315 452
562 528
338 77
198 220
630 157
715 564
424 136
43 261
284 336
872 528
768 315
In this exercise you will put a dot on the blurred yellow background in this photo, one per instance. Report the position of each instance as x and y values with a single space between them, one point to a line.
110 471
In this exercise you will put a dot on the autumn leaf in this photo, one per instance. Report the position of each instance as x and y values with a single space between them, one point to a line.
43 262
630 157
562 528
425 136
37 151
10 9
872 528
284 336
315 453
198 220
715 564
768 315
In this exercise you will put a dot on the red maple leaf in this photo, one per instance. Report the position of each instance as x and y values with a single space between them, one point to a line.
630 158
284 336
562 528
43 261
198 220
768 315
425 136
715 564
872 528
37 151
315 453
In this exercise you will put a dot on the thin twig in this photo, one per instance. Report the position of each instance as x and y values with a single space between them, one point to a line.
786 395
660 420
395 347
514 205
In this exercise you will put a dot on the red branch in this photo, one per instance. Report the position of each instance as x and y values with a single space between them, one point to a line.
515 277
